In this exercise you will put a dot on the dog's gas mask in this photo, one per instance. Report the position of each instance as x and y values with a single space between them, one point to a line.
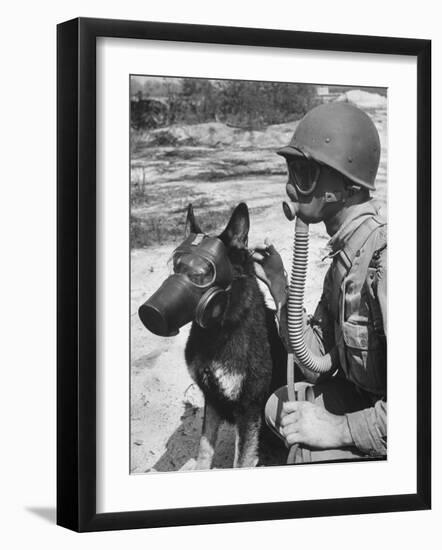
196 291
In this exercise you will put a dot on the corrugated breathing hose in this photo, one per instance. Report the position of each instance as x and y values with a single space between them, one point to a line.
295 309
295 321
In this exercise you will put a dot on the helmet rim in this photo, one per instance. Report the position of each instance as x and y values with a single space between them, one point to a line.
291 151
341 136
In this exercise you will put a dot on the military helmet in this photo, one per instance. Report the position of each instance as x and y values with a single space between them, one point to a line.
341 136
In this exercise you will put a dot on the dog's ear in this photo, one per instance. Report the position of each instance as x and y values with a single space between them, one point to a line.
192 225
237 231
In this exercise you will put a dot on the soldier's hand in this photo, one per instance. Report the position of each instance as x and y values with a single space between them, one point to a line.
270 269
312 425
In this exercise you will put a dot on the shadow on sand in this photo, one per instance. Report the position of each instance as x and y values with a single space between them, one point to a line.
182 446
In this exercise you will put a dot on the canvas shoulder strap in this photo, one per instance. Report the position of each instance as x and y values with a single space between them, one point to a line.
348 253
344 259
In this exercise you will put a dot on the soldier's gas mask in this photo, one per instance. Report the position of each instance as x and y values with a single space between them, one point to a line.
196 291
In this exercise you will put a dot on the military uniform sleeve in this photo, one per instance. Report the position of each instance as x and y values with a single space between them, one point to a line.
368 429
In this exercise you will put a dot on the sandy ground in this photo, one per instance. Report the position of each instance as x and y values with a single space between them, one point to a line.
166 408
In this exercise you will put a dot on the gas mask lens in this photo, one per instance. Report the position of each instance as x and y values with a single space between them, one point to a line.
304 173
198 270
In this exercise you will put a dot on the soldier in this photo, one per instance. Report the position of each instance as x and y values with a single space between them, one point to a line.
332 163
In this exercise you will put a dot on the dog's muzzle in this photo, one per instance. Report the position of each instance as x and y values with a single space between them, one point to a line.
196 291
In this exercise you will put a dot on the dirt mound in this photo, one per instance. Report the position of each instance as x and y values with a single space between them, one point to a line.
217 134
364 100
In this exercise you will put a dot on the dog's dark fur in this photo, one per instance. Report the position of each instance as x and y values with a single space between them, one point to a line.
232 362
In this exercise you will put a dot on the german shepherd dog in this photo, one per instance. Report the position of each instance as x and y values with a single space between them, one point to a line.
232 362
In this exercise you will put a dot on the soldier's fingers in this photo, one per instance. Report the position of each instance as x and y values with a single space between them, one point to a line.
290 418
294 437
287 430
262 248
257 257
269 245
290 406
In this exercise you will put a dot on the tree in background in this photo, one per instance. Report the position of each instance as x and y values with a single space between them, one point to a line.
256 104
240 103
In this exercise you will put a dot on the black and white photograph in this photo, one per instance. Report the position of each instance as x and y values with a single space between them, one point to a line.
214 218
258 273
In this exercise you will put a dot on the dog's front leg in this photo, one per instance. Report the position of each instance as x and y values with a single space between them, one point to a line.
206 450
247 441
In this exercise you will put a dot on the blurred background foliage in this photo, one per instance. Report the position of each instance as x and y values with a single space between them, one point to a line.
158 102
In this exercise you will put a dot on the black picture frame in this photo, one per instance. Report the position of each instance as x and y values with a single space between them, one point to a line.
76 273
